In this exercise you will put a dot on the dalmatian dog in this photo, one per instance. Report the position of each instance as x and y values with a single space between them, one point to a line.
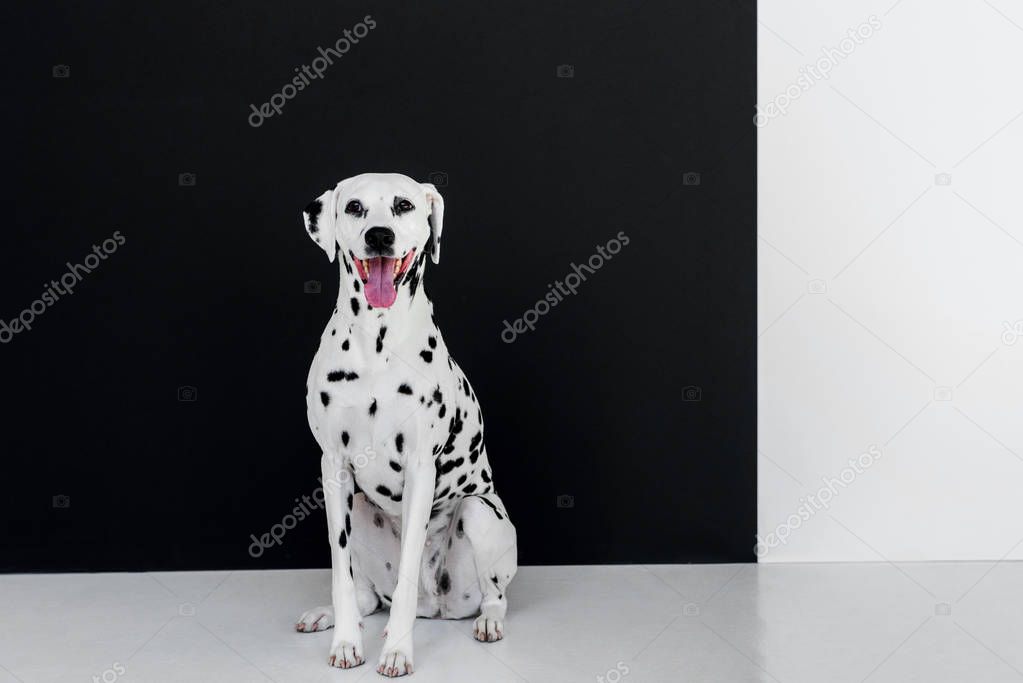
414 522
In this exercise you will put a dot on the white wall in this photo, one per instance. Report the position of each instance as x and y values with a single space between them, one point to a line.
919 279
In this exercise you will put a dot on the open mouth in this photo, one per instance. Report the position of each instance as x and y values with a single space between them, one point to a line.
380 276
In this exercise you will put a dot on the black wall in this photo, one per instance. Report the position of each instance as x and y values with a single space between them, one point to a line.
103 467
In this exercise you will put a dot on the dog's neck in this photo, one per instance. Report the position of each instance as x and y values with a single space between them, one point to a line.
410 313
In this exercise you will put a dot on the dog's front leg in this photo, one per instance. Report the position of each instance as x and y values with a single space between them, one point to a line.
417 497
338 489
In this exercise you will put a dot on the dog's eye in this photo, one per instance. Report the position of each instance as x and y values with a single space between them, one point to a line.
403 206
354 207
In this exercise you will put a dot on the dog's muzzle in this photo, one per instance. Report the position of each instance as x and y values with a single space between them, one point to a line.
381 274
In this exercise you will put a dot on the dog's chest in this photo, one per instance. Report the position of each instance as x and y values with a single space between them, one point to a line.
376 436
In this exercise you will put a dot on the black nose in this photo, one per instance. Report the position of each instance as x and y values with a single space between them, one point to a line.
379 238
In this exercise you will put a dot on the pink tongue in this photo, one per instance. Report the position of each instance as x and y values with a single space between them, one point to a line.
380 290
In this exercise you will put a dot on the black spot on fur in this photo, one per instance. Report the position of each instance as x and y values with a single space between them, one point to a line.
313 209
380 338
475 441
373 407
437 396
461 480
342 376
485 476
474 456
405 389
396 497
426 355
494 507
351 500
325 398
450 465
395 466
432 341
387 565
384 491
378 521
343 539
445 582
399 442
357 285
443 410
348 524
460 529
469 489
344 438
344 345
355 306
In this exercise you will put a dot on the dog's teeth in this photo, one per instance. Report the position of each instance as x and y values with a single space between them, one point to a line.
365 265
397 265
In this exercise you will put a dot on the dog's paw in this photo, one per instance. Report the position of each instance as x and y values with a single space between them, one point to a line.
316 619
345 654
488 629
394 662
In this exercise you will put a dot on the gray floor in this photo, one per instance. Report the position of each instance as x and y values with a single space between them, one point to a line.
823 622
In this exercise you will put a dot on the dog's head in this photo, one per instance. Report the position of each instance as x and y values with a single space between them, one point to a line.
383 221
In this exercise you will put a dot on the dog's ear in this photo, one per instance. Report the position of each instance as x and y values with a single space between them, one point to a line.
436 219
320 217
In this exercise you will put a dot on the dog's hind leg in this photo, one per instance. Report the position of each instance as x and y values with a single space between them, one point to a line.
485 523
